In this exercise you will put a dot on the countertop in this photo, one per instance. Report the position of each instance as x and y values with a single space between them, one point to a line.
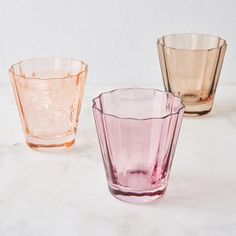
65 192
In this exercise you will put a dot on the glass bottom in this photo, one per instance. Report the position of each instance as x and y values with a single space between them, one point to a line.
131 196
50 143
196 108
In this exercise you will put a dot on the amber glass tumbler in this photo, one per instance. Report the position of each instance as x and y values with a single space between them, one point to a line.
191 65
49 94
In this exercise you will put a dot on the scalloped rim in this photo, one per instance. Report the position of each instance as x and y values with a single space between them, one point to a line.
182 106
11 69
158 42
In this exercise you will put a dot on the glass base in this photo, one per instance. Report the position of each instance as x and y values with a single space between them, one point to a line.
197 108
50 144
131 196
196 113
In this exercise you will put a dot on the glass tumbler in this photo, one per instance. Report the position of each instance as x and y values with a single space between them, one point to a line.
49 94
138 131
191 65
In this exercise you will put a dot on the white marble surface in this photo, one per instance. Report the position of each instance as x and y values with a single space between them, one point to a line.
65 193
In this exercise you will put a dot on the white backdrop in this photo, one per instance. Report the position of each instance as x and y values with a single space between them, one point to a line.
116 38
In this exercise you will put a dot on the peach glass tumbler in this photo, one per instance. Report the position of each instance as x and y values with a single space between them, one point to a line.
49 94
191 65
138 131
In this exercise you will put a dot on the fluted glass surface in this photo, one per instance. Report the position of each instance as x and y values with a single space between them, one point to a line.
191 65
138 131
49 94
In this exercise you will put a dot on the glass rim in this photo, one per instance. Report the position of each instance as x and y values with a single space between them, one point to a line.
11 69
181 106
187 49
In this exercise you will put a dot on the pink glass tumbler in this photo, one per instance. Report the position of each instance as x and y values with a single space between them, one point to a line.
138 131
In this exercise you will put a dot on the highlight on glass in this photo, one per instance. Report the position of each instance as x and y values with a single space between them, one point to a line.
138 131
49 93
191 66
